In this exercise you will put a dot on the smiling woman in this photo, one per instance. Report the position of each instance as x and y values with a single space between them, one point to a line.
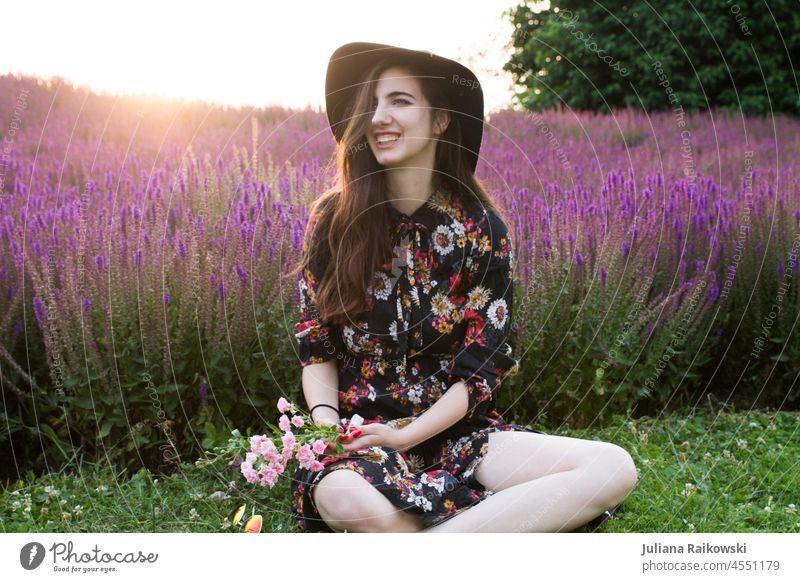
406 309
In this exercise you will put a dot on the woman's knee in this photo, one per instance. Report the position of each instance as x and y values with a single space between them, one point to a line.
345 500
616 468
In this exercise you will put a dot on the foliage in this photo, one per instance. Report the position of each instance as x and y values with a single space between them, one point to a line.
601 56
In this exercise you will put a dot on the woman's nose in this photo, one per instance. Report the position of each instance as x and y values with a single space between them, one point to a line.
381 116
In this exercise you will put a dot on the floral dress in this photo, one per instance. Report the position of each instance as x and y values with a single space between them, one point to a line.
439 313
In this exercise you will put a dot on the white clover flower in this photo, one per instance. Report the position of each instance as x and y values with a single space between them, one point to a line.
741 443
688 489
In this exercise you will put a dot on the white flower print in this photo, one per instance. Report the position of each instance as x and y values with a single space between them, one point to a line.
382 288
458 228
415 394
498 313
393 329
347 333
420 501
415 295
443 240
437 483
478 297
441 305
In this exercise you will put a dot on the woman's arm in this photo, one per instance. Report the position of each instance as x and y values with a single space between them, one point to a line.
321 386
445 412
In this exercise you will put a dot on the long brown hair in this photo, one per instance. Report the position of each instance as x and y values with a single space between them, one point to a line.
348 224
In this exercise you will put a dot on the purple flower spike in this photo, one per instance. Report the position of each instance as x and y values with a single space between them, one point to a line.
203 390
578 258
241 273
38 309
780 270
166 298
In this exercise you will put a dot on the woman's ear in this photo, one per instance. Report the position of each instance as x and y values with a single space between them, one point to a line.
442 122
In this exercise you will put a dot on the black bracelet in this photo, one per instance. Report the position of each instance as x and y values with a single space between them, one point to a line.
311 412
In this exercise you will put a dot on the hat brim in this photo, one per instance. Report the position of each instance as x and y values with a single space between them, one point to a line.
349 62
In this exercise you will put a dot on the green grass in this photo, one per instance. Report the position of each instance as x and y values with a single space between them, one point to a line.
725 472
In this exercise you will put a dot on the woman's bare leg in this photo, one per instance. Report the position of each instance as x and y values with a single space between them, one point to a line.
544 483
347 501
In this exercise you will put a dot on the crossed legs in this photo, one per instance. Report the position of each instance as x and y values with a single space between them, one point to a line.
545 483
541 483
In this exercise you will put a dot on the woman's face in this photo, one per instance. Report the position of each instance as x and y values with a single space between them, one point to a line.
401 133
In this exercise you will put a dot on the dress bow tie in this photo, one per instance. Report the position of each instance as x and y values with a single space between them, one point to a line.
414 243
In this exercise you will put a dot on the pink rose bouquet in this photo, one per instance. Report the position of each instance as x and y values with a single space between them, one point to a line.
263 458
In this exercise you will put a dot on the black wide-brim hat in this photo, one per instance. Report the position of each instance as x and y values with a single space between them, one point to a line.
349 63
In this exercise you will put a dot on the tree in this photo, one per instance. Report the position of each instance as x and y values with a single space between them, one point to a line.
740 55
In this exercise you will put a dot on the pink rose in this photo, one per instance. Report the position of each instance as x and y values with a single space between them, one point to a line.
288 439
283 423
317 466
269 451
305 456
297 421
268 475
318 447
255 443
283 405
248 472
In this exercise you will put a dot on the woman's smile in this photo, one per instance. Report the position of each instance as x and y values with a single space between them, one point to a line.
385 140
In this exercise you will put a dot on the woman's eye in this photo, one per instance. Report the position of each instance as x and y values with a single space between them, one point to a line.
398 101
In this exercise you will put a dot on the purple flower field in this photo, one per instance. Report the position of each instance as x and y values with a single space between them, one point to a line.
144 243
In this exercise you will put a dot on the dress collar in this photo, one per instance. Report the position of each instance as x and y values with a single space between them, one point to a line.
441 202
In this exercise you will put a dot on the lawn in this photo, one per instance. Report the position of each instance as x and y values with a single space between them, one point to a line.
704 472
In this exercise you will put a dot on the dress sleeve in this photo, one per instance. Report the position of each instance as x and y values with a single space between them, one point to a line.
484 358
318 340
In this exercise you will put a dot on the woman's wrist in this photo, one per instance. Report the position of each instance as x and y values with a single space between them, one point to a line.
325 417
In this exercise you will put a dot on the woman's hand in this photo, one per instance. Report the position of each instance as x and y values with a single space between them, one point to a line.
375 434
330 448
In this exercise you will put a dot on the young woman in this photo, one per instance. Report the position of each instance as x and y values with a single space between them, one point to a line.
406 308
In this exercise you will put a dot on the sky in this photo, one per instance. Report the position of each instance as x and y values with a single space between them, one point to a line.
243 53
